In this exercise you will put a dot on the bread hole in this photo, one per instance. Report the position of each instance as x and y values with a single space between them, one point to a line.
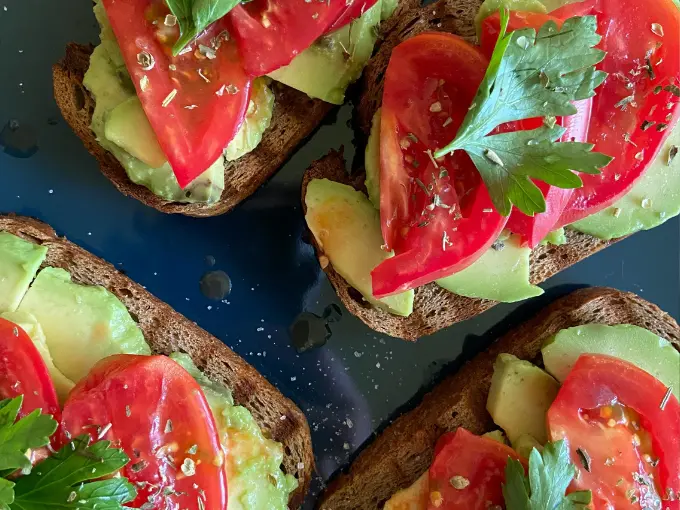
134 316
79 97
125 293
564 256
431 314
408 27
542 256
358 298
454 415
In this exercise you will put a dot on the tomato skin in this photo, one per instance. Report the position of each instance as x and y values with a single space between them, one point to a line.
137 395
479 460
598 381
192 138
627 37
430 241
23 372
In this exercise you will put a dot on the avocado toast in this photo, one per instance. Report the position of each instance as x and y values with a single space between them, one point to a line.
166 332
404 450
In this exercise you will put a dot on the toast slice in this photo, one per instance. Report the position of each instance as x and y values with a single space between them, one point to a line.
167 331
295 117
435 308
405 449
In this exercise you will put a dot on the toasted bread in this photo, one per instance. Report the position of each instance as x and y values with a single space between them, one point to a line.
436 308
405 449
295 117
167 331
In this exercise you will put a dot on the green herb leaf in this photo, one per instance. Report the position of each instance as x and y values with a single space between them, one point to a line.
532 75
17 437
64 480
550 473
194 16
6 493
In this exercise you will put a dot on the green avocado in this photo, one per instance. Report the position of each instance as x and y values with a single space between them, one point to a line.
654 199
19 263
524 444
253 462
556 237
347 228
372 162
333 62
636 345
82 323
500 274
496 435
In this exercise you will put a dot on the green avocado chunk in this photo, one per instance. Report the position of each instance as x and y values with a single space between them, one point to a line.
253 462
636 345
654 199
556 237
333 62
372 162
347 228
19 263
500 274
82 323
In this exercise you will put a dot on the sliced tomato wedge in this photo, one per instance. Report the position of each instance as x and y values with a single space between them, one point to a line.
156 412
270 33
534 229
23 372
468 472
628 427
436 215
638 105
195 102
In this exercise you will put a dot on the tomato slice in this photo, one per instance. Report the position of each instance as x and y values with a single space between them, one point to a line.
612 411
195 102
157 413
23 372
436 215
533 229
270 33
637 106
476 465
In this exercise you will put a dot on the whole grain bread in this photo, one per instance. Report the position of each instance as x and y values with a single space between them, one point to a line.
295 117
405 449
167 331
436 308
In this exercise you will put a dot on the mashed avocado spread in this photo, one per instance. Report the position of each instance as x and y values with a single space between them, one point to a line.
109 82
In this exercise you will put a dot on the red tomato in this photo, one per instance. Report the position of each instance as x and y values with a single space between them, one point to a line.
156 412
23 372
195 104
642 41
533 229
270 33
478 461
436 216
611 410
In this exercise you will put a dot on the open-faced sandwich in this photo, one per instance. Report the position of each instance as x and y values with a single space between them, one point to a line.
576 409
189 106
490 166
110 399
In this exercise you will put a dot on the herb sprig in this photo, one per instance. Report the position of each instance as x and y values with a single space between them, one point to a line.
532 75
194 16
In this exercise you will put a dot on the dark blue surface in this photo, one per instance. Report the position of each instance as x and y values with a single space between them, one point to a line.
359 379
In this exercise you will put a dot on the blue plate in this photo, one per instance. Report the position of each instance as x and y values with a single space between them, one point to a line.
359 379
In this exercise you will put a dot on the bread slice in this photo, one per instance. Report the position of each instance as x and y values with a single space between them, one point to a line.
167 331
404 450
295 117
436 308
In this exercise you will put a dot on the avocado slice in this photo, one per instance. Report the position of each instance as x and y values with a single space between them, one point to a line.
347 228
333 62
520 396
654 199
497 435
636 345
524 444
372 162
19 263
82 323
500 274
556 237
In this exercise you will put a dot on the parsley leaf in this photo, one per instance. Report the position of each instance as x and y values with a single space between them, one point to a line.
17 437
532 75
550 473
194 16
64 479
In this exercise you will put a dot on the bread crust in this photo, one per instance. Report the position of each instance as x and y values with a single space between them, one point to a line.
167 331
405 449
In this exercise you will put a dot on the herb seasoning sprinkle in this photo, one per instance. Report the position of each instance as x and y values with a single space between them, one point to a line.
665 398
169 98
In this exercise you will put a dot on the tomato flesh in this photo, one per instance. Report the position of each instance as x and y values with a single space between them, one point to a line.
194 103
156 412
611 410
437 216
475 464
23 372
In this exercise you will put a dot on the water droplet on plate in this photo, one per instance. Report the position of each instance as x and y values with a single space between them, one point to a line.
18 140
309 331
215 285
